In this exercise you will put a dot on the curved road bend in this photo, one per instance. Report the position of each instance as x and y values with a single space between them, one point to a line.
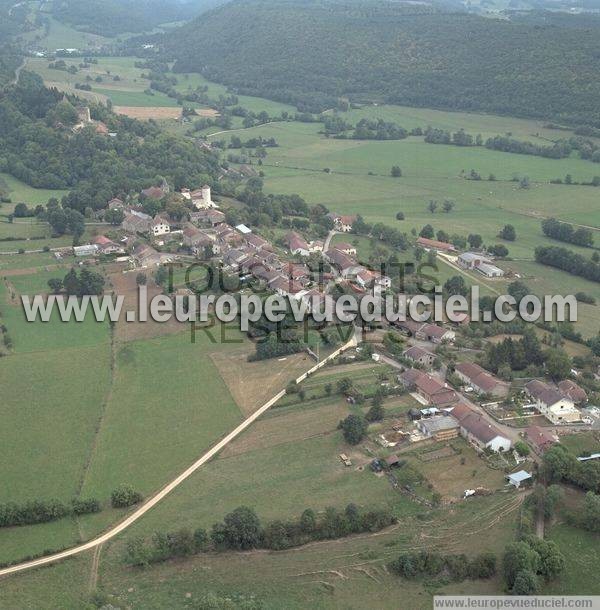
165 491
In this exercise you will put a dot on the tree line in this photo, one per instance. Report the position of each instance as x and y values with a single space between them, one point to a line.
43 511
242 530
563 231
567 260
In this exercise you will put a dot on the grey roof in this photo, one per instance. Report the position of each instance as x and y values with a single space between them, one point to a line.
438 423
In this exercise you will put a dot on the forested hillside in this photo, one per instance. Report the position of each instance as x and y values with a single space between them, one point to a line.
38 146
114 17
12 20
310 53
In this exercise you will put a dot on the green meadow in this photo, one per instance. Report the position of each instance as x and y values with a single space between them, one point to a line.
353 177
167 404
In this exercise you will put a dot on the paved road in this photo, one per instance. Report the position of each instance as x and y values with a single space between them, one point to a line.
165 491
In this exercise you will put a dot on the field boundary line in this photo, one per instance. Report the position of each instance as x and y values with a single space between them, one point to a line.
167 489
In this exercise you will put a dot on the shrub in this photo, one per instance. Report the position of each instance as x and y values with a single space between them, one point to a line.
124 496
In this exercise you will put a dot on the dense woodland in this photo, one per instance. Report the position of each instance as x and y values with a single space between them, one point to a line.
312 53
38 146
114 17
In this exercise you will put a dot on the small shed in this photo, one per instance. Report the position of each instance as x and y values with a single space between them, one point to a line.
520 478
242 228
392 461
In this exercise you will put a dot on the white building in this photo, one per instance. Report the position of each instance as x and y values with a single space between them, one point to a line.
518 478
201 198
160 226
556 407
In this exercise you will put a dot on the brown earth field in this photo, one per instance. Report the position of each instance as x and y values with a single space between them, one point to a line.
159 112
252 383
125 284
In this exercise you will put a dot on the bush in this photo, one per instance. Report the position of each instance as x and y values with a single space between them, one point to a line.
85 506
124 496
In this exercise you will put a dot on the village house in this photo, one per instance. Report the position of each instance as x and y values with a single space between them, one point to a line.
257 242
540 438
209 217
316 245
435 334
198 240
136 222
434 244
420 355
296 244
551 403
286 287
160 226
480 380
115 204
342 262
154 192
265 274
429 388
146 256
346 248
440 427
318 301
342 223
107 246
228 235
234 257
573 391
478 431
297 272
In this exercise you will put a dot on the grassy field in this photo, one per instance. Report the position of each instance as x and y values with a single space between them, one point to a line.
359 183
581 443
21 192
61 36
157 413
485 124
128 89
580 549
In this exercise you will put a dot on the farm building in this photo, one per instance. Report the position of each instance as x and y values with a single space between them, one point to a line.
434 244
435 333
470 260
489 270
440 428
420 355
87 250
478 431
520 479
136 222
480 380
